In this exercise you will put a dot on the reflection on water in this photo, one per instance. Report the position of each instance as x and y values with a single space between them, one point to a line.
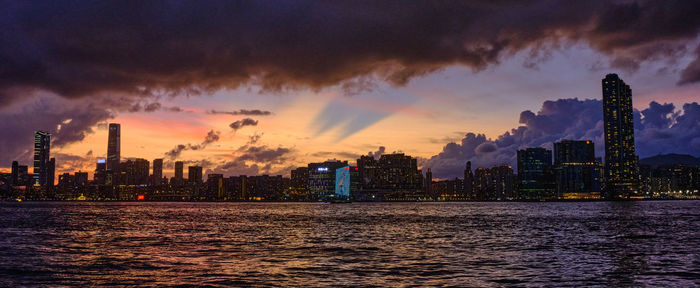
360 244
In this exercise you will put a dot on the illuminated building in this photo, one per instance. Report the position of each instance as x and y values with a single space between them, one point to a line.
215 183
114 148
80 179
577 171
194 174
134 172
322 179
347 182
100 176
300 179
621 179
157 172
468 181
370 172
42 147
535 174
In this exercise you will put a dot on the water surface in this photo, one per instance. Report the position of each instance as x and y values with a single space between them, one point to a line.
651 243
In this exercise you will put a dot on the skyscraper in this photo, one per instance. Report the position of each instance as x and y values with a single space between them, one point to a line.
51 172
194 174
469 181
621 179
178 170
114 148
14 178
42 147
157 171
577 170
535 177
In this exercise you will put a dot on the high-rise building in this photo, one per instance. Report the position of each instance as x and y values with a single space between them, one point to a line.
468 181
194 174
157 171
23 177
577 171
535 174
134 172
178 170
621 180
100 176
300 179
429 183
114 148
42 147
14 178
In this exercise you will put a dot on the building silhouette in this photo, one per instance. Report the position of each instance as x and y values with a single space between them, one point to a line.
114 148
100 176
194 174
157 178
535 174
621 172
178 177
468 181
577 170
42 147
322 178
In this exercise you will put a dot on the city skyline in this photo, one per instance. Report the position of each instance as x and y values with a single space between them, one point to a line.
442 95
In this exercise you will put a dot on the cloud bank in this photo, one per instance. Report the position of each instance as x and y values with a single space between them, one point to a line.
660 128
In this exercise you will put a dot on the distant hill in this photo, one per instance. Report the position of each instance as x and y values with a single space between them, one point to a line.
670 159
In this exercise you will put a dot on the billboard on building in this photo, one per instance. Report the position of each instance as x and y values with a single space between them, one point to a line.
342 182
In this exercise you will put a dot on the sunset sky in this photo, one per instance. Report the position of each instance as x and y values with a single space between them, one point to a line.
277 85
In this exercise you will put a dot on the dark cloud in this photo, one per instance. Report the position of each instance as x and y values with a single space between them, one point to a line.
238 124
212 136
658 129
254 112
76 49
255 160
67 121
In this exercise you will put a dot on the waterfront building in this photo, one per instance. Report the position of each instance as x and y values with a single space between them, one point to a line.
577 171
535 174
42 151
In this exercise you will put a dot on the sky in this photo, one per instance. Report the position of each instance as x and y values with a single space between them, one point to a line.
262 87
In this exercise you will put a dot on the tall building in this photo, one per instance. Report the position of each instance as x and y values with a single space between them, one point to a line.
178 170
134 172
157 171
14 178
194 174
535 174
429 183
300 179
621 180
42 147
100 176
577 171
468 181
114 148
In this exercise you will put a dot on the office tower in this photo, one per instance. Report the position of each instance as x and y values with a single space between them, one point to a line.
503 180
14 178
194 174
370 172
178 170
621 180
100 177
216 188
429 183
322 179
400 172
577 171
535 174
42 145
468 181
114 148
300 179
157 171
134 172
347 182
